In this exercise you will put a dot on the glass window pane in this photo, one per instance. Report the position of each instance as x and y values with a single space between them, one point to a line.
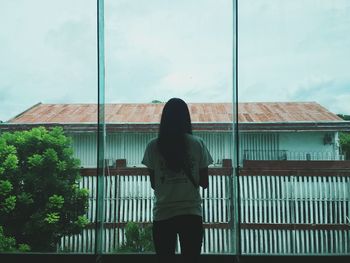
48 79
156 50
293 93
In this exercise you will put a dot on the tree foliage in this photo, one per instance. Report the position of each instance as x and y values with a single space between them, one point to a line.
137 239
344 138
8 244
40 199
156 101
344 117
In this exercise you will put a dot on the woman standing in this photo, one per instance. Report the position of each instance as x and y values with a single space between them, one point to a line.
178 164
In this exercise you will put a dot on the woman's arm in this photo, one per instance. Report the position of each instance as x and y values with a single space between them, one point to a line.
151 175
204 177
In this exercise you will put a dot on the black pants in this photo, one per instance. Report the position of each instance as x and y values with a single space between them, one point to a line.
190 231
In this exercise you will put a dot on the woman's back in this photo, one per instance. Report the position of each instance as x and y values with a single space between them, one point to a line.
177 192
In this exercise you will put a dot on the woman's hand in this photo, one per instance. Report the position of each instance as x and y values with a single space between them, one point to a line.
151 174
204 177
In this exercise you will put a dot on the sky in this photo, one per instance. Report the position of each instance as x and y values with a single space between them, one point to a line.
157 49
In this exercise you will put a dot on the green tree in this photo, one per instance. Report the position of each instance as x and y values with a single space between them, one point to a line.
137 239
8 244
344 140
344 117
156 101
40 197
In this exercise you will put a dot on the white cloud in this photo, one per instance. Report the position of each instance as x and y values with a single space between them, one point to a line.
47 53
327 91
157 49
286 45
189 45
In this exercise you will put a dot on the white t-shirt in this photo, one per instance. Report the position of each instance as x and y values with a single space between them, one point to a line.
174 193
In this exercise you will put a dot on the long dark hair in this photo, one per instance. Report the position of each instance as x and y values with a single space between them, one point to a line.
174 125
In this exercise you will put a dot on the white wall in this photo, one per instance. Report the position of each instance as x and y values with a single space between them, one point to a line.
298 144
131 146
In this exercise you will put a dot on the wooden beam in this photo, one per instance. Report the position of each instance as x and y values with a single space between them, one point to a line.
267 226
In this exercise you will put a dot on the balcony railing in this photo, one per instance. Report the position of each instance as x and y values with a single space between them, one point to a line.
291 155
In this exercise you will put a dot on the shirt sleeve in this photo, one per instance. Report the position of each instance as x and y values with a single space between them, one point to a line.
148 159
206 158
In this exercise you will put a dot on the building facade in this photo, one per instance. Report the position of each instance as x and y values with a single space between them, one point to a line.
279 210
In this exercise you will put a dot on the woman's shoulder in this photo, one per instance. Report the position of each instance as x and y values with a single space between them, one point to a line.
152 142
195 139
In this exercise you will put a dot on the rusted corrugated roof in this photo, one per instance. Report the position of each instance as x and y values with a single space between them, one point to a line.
249 112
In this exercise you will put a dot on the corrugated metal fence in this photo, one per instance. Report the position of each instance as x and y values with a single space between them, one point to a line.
291 211
131 146
129 198
295 208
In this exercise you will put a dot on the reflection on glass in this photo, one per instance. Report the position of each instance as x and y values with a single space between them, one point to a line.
48 56
292 75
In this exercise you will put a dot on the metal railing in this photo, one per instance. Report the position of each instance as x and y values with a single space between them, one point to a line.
291 155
